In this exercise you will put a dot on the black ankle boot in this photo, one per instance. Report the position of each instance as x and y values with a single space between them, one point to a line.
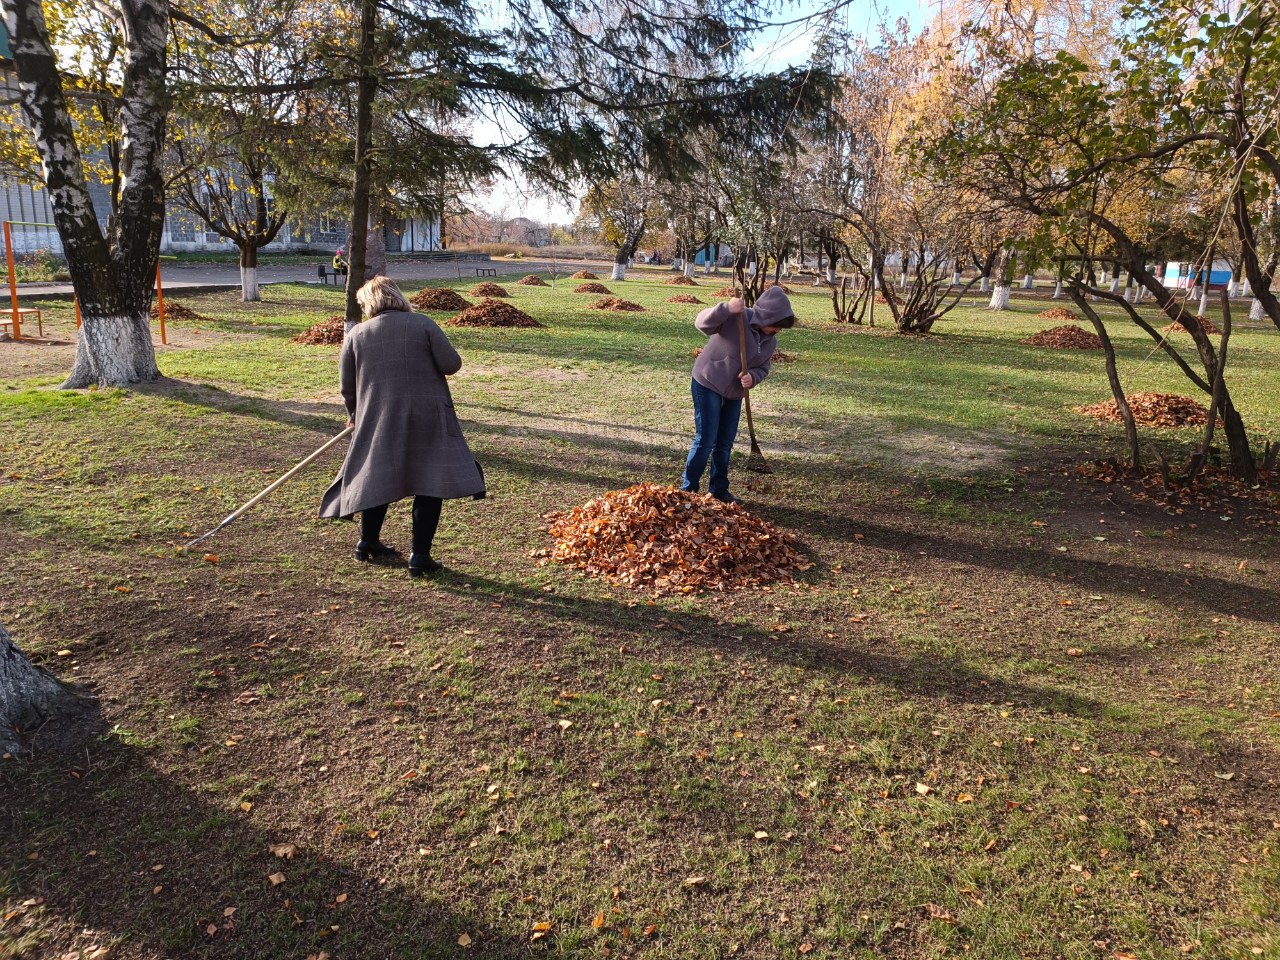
420 563
374 551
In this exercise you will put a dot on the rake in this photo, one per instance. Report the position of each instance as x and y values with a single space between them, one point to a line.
756 462
263 494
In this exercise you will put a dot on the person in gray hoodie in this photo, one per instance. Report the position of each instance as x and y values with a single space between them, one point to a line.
720 383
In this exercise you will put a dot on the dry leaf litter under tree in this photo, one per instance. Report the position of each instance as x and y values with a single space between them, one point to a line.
492 313
326 333
1205 323
664 540
1060 315
583 275
727 292
173 310
682 281
616 304
487 289
1152 410
1066 337
531 280
683 298
596 288
440 299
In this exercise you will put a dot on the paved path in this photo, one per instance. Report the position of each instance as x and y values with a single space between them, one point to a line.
185 276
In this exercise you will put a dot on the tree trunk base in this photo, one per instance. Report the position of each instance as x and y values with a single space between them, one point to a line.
619 272
1000 297
113 351
249 285
30 698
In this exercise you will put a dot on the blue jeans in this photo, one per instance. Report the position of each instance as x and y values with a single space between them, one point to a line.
715 422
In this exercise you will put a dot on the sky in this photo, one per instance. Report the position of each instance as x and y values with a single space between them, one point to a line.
774 49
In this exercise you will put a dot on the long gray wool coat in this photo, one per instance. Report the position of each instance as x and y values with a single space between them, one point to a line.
407 440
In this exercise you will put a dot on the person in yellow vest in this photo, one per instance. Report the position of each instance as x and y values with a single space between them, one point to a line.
339 261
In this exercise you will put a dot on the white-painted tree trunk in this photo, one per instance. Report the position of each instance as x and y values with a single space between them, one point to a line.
955 278
1028 282
1245 290
1000 297
688 269
984 286
1255 310
831 275
619 272
1057 289
902 280
1115 282
1204 302
249 285
113 351
1128 294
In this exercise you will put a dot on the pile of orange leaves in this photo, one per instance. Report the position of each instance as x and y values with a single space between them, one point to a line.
617 304
433 299
663 540
326 333
1066 337
1152 410
492 313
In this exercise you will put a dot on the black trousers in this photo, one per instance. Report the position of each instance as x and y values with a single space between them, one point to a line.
426 518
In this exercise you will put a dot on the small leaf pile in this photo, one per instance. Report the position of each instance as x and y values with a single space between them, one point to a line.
1152 410
614 303
591 288
487 289
682 281
727 292
1205 323
439 299
1066 337
583 275
531 280
492 313
683 298
1060 315
173 310
664 540
326 333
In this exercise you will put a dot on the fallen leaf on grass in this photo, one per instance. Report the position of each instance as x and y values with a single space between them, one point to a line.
276 879
211 558
964 798
1225 776
464 940
941 914
284 851
923 789
694 881
340 898
598 920
540 930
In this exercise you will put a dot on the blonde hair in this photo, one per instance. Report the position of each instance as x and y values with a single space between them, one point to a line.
381 295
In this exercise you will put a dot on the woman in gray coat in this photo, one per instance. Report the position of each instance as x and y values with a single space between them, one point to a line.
407 440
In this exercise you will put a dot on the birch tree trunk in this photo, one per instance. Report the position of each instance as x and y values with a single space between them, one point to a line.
113 274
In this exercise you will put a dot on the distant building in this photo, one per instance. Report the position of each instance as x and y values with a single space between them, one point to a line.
28 203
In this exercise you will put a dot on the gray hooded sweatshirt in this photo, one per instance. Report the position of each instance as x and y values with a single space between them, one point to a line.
720 363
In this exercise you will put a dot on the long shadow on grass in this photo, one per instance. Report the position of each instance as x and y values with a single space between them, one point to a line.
937 676
128 853
1186 587
316 416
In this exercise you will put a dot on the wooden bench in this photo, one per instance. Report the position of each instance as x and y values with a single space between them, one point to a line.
6 318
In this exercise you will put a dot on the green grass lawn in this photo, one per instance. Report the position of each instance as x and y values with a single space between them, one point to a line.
1010 713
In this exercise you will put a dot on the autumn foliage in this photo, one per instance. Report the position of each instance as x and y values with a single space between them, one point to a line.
1152 410
434 299
1066 337
326 333
492 313
616 304
657 538
488 290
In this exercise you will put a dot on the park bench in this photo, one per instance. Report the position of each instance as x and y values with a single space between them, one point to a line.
6 318
325 273
486 271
